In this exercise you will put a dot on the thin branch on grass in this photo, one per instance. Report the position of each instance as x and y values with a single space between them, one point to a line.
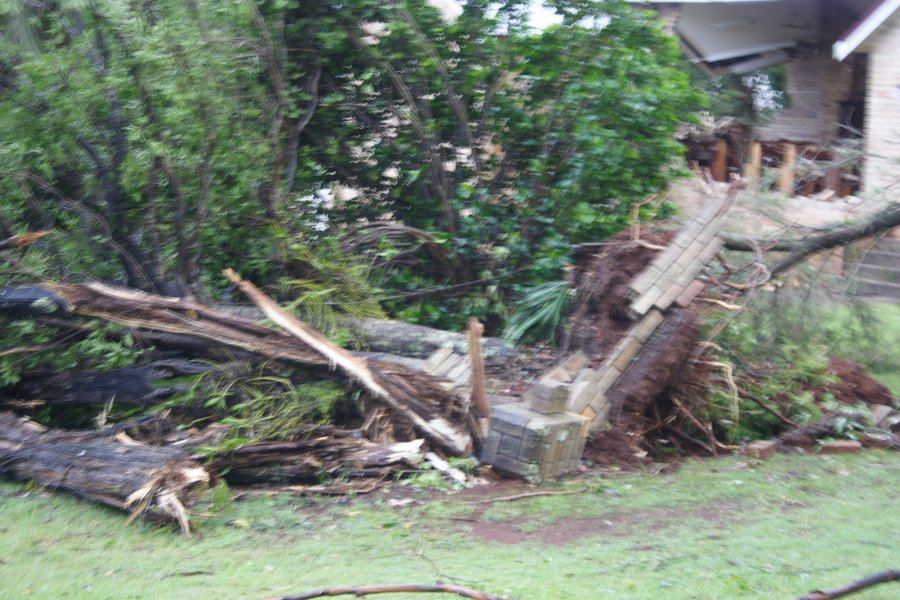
852 588
528 495
366 590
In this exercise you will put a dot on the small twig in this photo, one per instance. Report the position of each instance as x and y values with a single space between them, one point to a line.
365 590
23 349
851 588
527 495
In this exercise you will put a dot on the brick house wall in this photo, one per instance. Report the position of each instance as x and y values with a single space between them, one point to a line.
804 119
882 170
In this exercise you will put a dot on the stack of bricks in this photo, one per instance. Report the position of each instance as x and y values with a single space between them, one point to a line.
536 438
669 277
454 368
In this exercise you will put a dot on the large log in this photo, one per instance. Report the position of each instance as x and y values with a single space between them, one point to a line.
335 454
140 479
140 385
396 337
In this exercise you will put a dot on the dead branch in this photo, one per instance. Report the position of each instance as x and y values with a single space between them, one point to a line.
367 590
852 588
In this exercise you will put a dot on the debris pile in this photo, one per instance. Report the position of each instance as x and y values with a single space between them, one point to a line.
151 465
632 375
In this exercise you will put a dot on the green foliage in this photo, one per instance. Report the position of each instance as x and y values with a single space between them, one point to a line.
165 141
260 403
780 347
102 346
539 312
774 533
327 286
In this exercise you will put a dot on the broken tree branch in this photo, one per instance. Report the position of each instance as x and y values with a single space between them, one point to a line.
379 383
798 250
366 590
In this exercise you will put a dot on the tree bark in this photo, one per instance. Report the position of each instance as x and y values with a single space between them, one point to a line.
799 250
334 452
139 479
140 385
396 337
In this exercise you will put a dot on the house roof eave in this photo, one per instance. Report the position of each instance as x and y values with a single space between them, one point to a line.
860 31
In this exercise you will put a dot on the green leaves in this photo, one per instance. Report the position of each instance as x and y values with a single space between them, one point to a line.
539 312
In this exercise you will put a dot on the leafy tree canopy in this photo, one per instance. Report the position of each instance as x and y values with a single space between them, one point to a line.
164 140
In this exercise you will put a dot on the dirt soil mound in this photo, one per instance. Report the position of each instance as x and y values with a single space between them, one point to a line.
600 318
856 386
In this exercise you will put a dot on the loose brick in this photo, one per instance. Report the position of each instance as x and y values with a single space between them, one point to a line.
840 447
645 328
627 351
761 448
548 396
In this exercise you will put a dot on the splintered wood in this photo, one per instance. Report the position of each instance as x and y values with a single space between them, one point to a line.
159 481
383 385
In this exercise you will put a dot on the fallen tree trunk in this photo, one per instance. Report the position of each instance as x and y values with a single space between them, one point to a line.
396 337
799 250
140 385
151 480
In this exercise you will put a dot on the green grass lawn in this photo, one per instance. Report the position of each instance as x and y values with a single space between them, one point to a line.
714 529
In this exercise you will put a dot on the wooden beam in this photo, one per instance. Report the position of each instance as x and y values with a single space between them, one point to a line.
751 170
719 165
788 164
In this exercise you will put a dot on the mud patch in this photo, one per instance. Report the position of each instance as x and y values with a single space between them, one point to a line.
569 530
